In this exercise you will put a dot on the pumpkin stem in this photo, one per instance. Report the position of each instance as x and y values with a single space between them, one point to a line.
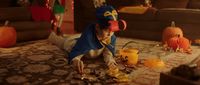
173 24
6 22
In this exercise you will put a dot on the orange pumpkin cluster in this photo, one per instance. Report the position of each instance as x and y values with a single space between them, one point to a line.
173 39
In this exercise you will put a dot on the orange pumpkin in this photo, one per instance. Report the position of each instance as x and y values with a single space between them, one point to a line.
170 32
7 36
178 42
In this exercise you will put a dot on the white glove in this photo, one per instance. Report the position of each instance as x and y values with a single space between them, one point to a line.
78 64
112 64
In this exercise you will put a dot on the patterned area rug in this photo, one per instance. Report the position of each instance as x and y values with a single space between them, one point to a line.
42 63
151 49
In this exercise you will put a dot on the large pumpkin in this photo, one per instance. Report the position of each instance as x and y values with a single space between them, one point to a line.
178 43
7 36
170 32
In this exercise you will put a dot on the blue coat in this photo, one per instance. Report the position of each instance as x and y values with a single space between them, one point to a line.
88 41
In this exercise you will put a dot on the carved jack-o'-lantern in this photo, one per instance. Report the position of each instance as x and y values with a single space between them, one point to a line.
170 32
7 36
129 55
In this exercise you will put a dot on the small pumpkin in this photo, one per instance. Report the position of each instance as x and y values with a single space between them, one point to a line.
170 32
7 36
178 42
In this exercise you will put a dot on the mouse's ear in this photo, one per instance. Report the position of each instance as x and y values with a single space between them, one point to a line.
99 3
